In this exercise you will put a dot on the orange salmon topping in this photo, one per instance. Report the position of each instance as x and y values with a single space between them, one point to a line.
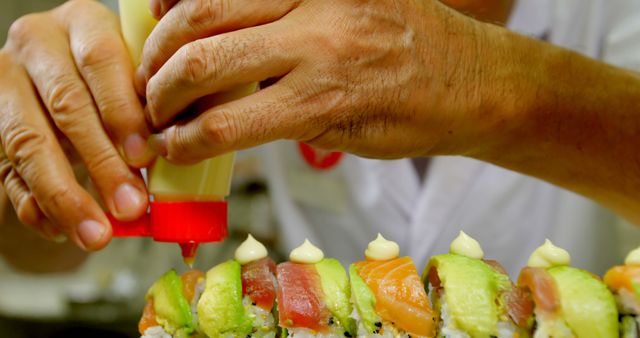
623 276
148 317
190 281
400 295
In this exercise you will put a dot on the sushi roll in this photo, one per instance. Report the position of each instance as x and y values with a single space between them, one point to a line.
473 297
170 310
233 299
569 302
239 295
313 295
389 298
624 282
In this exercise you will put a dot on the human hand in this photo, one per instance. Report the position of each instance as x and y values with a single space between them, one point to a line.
383 79
65 73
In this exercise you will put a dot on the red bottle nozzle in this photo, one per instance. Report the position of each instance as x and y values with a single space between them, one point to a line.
186 223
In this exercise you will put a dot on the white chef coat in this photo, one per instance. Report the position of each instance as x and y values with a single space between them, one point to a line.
510 214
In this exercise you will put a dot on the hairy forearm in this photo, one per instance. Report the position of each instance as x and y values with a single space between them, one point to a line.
567 119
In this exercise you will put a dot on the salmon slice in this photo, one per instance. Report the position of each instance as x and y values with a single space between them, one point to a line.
622 277
400 295
258 282
543 289
300 297
190 280
148 318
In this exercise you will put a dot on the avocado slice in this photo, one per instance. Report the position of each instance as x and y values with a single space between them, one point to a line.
172 309
220 309
337 294
587 305
471 289
364 301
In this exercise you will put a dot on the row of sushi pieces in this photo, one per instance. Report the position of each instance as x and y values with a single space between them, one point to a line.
460 294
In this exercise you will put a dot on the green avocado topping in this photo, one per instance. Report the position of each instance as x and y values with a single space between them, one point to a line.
220 309
170 305
588 306
364 301
471 291
335 286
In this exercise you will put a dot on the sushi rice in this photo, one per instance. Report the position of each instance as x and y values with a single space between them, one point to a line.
335 331
555 328
263 321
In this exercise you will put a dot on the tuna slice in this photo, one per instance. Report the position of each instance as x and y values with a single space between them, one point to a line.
300 297
258 282
543 290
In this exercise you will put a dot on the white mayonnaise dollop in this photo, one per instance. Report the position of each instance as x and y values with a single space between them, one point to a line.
548 255
250 250
464 245
381 249
306 253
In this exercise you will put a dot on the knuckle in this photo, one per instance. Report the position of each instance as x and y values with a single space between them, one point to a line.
23 29
219 129
106 163
202 12
97 51
21 143
197 63
115 113
65 99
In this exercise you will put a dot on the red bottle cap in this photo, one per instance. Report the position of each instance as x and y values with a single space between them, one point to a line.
178 222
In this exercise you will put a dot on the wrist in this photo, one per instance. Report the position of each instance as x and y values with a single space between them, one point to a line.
513 83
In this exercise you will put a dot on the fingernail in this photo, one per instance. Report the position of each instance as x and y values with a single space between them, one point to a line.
154 6
90 233
136 149
128 200
158 144
141 82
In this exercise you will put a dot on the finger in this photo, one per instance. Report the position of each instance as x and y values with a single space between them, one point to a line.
216 64
160 7
29 144
103 61
270 114
190 20
25 206
50 65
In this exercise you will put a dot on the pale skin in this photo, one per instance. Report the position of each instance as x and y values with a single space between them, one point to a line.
384 79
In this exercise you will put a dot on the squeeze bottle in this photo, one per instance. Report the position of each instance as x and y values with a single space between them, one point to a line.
187 204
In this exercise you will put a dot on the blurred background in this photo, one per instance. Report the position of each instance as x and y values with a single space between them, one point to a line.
105 296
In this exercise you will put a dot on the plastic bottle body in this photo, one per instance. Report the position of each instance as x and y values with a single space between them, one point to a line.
188 204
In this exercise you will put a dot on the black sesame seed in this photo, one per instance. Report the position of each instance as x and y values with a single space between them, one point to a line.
347 334
253 303
331 321
378 324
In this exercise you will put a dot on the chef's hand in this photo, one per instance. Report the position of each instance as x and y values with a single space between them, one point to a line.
63 74
378 78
